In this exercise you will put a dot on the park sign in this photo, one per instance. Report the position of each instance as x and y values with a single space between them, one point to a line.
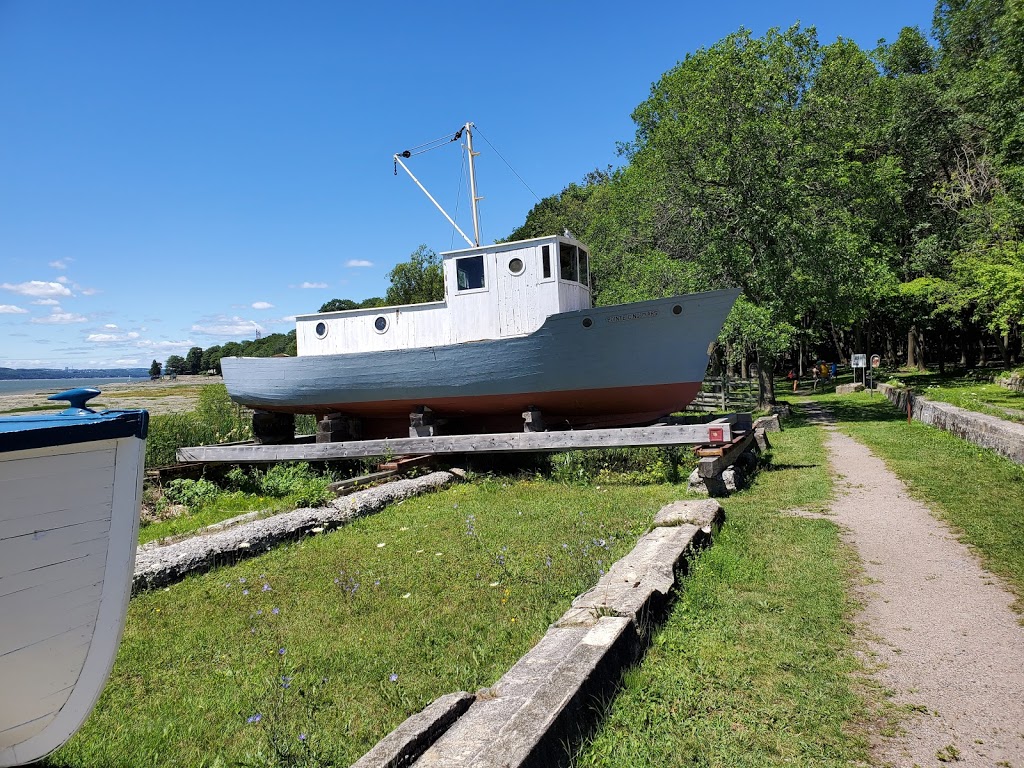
859 361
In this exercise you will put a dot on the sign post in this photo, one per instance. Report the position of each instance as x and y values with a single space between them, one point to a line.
859 361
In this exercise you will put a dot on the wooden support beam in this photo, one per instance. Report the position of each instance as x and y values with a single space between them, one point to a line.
712 466
507 442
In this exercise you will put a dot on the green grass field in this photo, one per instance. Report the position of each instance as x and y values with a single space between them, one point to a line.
436 594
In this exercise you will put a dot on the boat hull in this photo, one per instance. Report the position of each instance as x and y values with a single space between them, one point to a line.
607 366
69 515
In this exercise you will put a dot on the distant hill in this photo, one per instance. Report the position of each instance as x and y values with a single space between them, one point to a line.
11 374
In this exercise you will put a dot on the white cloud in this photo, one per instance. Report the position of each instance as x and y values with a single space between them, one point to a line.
312 285
61 318
222 325
110 325
38 288
358 263
47 302
262 305
128 361
10 309
104 338
159 346
89 291
61 263
63 280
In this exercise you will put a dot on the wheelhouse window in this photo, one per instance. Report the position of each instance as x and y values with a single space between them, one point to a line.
573 264
469 272
546 252
567 267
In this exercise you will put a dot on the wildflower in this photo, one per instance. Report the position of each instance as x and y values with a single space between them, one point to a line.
254 718
259 612
241 580
275 611
407 595
393 677
337 581
547 561
376 583
286 682
404 528
380 545
266 587
281 652
302 737
495 583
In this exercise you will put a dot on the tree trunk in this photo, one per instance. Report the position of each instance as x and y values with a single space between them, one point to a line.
920 351
839 347
912 347
1003 342
765 381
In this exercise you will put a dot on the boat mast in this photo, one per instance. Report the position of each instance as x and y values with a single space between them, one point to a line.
472 183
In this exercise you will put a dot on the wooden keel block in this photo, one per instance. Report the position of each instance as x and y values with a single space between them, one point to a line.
533 421
273 428
423 422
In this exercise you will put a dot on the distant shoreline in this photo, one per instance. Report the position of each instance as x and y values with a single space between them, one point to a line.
157 396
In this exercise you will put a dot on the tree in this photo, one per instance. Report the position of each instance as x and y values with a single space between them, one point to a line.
338 305
175 364
747 156
211 358
417 280
194 360
154 370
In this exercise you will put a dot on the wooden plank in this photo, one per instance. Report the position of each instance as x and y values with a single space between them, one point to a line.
712 466
343 487
33 675
36 550
506 442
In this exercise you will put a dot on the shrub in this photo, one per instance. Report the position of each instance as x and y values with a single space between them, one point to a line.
192 493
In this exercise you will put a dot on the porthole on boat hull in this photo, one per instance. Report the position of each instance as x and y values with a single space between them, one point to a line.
587 322
321 330
380 325
516 266
677 309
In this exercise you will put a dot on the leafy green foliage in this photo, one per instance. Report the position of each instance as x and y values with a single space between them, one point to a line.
416 281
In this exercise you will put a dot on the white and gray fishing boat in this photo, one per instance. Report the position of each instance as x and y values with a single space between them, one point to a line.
516 331
70 488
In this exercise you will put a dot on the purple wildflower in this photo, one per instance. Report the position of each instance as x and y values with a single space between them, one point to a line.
393 677
245 591
286 682
254 718
241 579
266 587
281 652
275 611
302 737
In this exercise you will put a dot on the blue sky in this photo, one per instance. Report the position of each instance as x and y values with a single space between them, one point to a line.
177 174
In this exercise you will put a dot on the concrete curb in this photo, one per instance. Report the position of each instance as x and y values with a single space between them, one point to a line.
539 712
157 566
1004 437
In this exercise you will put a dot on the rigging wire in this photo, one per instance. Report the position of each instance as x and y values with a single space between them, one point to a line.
458 199
481 135
431 145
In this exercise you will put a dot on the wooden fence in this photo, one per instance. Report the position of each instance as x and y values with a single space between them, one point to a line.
725 394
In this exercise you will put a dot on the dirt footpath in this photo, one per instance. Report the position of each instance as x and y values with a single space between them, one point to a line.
939 627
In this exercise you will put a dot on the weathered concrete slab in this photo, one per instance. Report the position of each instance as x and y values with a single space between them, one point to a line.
542 728
761 438
160 565
768 423
404 745
1004 437
703 513
849 389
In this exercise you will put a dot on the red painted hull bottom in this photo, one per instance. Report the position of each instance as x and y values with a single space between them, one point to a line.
580 409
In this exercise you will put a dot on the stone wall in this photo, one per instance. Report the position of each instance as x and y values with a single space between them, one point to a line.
1004 437
1014 381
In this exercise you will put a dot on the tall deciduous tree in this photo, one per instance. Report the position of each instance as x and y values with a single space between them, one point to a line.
417 280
